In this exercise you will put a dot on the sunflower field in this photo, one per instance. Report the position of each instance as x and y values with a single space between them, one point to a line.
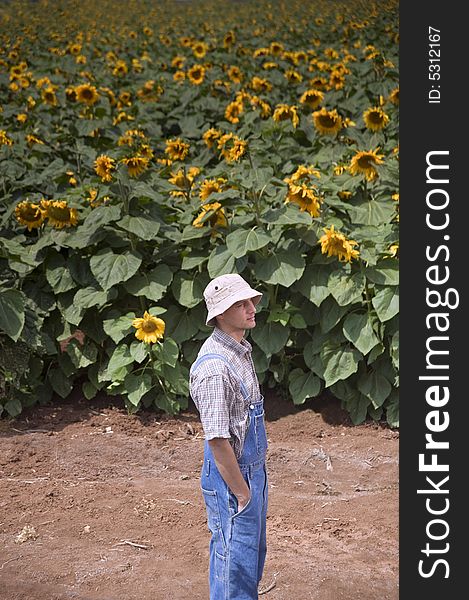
147 147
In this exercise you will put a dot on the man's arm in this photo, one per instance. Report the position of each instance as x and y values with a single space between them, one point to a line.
229 469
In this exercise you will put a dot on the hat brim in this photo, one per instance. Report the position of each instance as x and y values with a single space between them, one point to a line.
246 294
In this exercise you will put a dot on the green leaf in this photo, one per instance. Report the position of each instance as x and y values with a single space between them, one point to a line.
13 407
58 274
357 409
313 283
339 361
282 268
193 260
88 389
144 228
271 337
375 387
12 313
386 303
139 351
220 262
121 357
137 386
386 272
90 296
358 329
152 285
372 212
110 269
61 384
243 241
82 355
168 352
303 385
100 216
330 313
188 290
117 329
286 215
392 409
346 289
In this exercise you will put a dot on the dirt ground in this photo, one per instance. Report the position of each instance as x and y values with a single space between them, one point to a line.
99 505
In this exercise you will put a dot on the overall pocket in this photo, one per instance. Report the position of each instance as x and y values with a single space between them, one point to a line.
214 519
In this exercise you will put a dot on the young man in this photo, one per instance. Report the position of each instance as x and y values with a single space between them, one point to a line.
225 390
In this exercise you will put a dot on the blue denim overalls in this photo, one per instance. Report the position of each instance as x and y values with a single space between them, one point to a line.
238 542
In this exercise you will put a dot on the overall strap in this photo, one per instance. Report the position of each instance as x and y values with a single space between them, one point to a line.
210 356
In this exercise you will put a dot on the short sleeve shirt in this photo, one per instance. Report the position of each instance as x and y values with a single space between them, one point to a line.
215 389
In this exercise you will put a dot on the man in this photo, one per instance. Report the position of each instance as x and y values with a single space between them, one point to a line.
225 390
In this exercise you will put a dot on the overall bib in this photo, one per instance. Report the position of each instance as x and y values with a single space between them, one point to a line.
238 541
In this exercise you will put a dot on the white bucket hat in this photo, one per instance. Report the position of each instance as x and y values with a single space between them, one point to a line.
223 291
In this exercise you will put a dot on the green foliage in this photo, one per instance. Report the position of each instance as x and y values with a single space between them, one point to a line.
150 241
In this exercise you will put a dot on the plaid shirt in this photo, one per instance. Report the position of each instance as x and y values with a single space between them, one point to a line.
216 393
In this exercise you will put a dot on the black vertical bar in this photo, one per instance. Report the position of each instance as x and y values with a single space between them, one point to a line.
433 316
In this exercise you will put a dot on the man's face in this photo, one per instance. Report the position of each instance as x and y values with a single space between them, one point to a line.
242 315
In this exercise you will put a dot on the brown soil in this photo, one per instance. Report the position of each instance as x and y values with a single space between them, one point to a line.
117 513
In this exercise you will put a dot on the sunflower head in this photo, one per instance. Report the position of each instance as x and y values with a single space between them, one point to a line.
59 214
334 243
86 94
327 122
149 329
29 214
364 162
375 118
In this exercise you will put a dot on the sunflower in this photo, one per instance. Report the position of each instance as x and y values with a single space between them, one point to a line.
327 122
184 180
211 136
48 96
302 172
87 94
284 112
29 214
394 96
211 186
259 84
196 74
312 98
176 149
4 139
179 76
131 137
319 83
199 49
32 139
235 74
233 110
305 197
217 218
120 68
334 243
293 76
103 166
178 61
150 329
264 107
375 118
136 165
231 147
229 39
59 214
365 162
